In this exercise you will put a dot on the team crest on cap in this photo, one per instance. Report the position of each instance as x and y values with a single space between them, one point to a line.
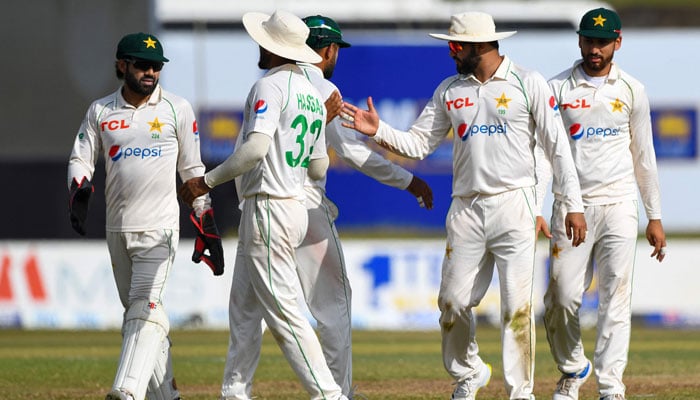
260 107
599 20
150 43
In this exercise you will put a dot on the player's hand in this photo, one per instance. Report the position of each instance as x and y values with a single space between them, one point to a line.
334 103
79 202
422 191
192 189
541 226
208 238
575 224
657 238
363 121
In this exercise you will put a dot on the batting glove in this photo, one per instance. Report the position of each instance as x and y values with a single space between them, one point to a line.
79 202
208 238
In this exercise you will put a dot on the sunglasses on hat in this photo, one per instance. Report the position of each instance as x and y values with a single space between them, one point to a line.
455 47
145 65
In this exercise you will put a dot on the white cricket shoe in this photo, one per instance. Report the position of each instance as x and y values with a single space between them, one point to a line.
466 389
569 384
616 396
115 394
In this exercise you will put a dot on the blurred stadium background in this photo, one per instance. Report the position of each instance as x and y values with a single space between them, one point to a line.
59 57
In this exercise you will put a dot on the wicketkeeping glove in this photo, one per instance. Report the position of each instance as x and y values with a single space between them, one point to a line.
79 202
208 238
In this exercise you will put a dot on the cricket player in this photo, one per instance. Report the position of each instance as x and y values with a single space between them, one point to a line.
281 140
145 135
497 111
607 114
321 264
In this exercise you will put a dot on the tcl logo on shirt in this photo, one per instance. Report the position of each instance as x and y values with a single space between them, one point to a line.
113 125
578 103
118 152
458 103
577 131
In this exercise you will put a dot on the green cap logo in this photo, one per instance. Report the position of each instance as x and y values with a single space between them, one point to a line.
600 23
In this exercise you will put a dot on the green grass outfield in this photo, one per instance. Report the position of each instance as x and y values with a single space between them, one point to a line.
664 364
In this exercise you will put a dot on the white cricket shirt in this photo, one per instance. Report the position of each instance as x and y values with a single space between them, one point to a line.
496 124
610 137
284 105
143 149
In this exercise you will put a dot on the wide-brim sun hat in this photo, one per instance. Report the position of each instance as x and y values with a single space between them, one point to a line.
472 27
281 33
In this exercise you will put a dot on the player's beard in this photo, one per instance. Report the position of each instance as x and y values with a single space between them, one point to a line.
265 59
596 66
469 63
328 70
136 86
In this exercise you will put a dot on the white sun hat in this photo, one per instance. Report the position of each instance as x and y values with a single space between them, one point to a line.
281 33
472 27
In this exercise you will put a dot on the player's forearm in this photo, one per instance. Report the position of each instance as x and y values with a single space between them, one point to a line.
543 173
318 167
409 144
565 173
78 169
361 157
242 160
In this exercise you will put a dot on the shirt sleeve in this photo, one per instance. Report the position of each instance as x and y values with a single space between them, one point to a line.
247 154
189 160
551 135
86 148
354 151
424 136
643 154
543 173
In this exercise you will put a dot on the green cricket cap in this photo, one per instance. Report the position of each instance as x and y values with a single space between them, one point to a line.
323 31
143 46
600 23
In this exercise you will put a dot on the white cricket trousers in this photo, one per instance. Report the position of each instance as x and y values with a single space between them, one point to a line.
610 247
324 280
141 264
265 285
483 230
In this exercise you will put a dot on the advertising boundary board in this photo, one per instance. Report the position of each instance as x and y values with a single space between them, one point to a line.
69 285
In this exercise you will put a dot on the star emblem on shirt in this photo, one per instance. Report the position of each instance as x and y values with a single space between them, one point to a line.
599 20
155 125
150 43
448 252
617 105
502 101
555 251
